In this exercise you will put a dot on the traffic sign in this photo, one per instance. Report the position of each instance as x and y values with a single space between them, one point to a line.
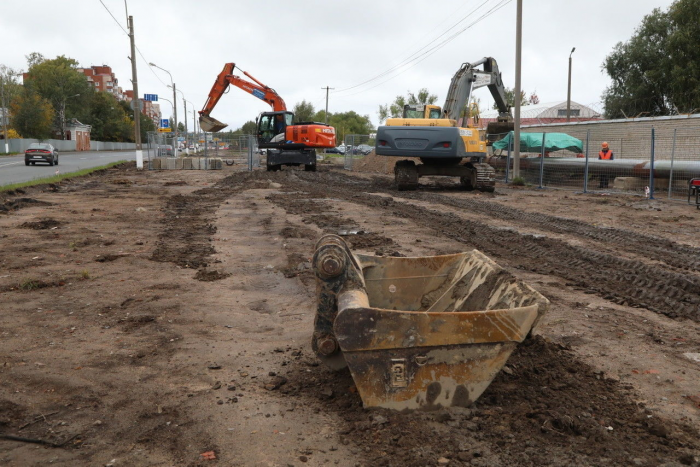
164 130
164 123
150 97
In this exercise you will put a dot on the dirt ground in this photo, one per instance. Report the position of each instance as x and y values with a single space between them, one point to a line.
163 318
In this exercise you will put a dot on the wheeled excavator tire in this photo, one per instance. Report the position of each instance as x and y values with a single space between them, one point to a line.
406 175
310 168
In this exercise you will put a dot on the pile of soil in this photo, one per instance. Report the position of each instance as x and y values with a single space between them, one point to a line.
378 164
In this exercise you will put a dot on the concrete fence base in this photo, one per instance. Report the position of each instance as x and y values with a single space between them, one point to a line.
186 163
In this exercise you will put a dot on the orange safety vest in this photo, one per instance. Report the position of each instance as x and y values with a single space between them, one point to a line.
605 155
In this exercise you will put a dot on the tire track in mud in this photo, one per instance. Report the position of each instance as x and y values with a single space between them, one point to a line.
679 256
676 255
189 227
615 278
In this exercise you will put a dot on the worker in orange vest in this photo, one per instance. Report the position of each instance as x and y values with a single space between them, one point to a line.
605 154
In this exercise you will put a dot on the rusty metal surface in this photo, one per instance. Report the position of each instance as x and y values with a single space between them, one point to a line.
211 124
452 376
422 332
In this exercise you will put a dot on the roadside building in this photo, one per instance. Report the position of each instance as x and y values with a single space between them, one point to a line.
552 112
80 133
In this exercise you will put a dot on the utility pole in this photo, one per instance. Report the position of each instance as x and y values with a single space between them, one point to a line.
184 103
518 54
4 114
175 143
327 88
136 100
568 94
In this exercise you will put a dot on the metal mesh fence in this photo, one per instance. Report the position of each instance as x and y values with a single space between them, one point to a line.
656 164
206 148
356 147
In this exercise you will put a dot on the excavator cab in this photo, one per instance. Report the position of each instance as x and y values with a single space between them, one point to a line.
421 111
272 124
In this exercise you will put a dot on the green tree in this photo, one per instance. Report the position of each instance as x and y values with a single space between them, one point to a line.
32 115
395 109
59 81
347 123
180 127
12 88
249 128
303 112
109 120
684 55
34 58
640 71
147 125
510 98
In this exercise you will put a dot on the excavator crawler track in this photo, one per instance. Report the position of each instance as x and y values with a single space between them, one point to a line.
485 177
406 175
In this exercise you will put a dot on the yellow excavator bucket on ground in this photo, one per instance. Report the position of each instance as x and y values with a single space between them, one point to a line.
419 333
210 124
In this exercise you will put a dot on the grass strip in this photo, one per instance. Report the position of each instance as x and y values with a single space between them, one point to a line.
58 178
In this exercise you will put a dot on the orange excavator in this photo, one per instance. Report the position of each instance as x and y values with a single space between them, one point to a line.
287 142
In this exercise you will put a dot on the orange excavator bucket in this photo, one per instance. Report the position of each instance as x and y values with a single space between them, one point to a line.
210 124
419 333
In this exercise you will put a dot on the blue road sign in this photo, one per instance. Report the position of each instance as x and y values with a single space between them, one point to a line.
150 97
164 123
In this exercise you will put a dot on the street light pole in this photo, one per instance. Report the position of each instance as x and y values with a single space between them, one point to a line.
568 94
174 104
194 128
136 100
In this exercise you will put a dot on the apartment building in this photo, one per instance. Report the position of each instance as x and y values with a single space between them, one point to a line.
102 79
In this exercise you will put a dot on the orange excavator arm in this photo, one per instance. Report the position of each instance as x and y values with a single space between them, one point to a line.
226 78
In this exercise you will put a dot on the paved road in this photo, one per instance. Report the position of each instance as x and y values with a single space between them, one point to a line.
13 170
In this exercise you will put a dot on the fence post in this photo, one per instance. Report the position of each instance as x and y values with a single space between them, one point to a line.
510 146
651 172
544 135
250 154
585 167
673 153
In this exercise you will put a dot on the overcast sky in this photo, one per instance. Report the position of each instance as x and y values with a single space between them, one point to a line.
298 47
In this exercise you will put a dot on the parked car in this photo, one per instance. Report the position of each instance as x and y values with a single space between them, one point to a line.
363 149
41 152
164 150
334 151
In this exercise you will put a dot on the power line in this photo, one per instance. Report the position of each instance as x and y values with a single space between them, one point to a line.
429 52
115 19
417 54
137 49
